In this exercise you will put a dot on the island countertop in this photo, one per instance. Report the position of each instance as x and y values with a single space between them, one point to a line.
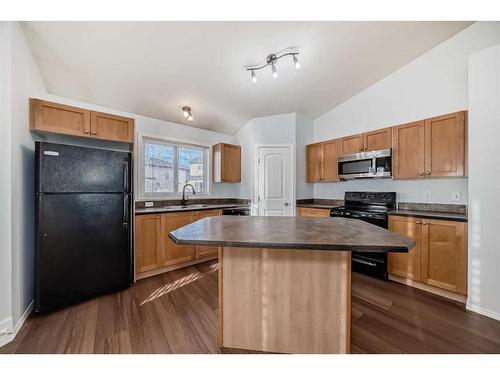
307 233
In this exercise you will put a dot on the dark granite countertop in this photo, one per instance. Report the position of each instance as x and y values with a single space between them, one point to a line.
192 207
431 214
337 233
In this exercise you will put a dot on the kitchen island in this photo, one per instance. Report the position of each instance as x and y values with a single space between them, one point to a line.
285 282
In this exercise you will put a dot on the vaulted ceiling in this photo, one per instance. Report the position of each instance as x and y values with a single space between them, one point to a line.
155 68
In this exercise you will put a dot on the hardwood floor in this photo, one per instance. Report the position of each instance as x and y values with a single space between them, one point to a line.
177 313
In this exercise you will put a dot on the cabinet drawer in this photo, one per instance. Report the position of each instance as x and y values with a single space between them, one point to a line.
313 212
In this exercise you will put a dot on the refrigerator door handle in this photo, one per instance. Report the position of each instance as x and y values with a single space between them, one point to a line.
125 211
125 176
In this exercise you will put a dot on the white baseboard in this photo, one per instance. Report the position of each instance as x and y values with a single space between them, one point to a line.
483 311
11 334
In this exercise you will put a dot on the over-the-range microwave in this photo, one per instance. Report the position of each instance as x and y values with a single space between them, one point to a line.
371 164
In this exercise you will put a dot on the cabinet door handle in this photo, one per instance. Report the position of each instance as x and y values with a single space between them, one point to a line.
424 223
421 173
94 133
86 131
428 173
418 221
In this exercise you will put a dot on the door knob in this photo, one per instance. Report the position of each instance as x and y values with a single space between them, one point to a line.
428 173
421 173
94 133
287 204
86 131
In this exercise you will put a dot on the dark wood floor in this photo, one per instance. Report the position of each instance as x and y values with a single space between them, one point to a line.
177 313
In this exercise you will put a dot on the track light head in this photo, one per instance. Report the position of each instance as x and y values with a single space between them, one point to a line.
254 77
296 62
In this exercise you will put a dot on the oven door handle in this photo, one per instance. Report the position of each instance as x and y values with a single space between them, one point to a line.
364 262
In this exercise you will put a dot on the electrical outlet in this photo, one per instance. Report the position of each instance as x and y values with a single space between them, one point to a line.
455 196
428 196
148 204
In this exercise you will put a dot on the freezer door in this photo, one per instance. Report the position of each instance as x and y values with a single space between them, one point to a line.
83 247
71 169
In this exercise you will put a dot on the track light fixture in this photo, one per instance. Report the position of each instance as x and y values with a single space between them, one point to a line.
187 113
271 60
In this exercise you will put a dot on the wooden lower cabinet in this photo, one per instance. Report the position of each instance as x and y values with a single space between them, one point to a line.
407 265
313 212
205 251
147 242
440 256
174 254
444 255
155 252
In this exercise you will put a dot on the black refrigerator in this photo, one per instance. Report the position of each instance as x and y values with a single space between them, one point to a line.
83 223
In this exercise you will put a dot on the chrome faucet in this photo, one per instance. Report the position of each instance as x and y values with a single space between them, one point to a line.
184 199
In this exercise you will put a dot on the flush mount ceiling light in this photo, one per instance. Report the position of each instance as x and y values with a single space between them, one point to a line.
271 61
187 113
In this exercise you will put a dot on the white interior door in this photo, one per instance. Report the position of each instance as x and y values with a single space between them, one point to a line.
275 185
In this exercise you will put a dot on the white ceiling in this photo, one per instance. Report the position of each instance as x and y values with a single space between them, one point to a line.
155 68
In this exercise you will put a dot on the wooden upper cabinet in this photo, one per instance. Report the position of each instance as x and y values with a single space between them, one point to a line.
330 164
226 163
111 127
321 161
380 139
407 265
205 251
314 162
59 118
148 243
63 119
445 145
173 253
351 144
409 150
444 255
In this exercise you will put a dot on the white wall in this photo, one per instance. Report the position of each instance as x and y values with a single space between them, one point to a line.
433 84
26 82
271 130
303 136
5 180
484 182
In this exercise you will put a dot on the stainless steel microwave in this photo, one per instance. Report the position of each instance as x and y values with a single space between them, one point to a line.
371 164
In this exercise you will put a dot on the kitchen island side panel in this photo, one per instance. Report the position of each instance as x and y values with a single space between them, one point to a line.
285 301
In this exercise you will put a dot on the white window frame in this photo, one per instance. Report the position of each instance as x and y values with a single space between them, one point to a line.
142 195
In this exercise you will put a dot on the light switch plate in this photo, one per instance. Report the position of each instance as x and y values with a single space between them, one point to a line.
428 196
148 204
455 196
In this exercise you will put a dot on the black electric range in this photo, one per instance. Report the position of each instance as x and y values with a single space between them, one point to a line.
371 207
